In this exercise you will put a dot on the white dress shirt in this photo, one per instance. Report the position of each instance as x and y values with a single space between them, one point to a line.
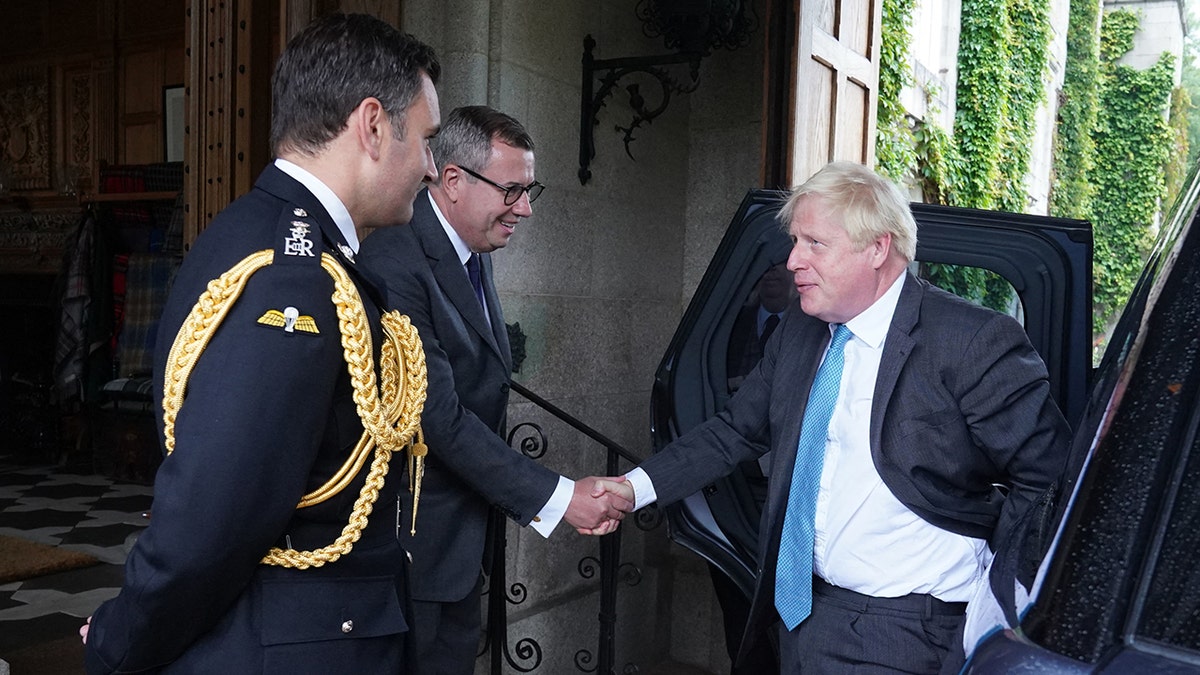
866 539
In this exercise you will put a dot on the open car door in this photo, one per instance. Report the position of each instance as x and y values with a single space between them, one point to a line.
1047 263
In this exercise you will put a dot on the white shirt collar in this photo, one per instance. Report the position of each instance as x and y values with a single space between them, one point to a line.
460 246
872 324
333 205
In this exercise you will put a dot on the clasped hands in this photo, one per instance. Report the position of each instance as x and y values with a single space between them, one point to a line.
599 503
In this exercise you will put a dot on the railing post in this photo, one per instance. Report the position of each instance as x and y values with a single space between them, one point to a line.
610 561
497 615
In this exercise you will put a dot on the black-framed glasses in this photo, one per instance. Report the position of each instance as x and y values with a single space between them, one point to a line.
512 192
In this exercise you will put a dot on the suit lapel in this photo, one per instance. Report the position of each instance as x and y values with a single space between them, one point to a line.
499 330
451 276
896 350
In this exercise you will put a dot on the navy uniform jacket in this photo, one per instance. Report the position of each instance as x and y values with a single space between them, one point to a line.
469 466
961 405
268 417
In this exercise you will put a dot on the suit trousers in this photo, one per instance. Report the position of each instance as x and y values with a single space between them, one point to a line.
446 635
849 632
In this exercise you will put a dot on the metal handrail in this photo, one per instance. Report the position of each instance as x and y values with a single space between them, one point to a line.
609 564
591 433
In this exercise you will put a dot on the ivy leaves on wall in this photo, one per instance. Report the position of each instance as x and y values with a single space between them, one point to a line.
1112 147
1074 150
1002 66
1133 144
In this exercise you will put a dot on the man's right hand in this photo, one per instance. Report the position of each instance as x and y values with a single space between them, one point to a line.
617 493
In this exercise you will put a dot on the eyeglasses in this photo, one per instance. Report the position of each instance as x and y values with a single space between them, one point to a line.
512 192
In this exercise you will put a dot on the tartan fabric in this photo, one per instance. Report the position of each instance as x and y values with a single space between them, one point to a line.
119 269
147 281
167 176
173 240
164 176
71 341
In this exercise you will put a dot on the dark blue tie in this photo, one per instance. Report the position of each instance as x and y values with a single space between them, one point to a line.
768 328
793 575
476 279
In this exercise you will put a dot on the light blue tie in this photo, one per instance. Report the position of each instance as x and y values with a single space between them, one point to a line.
793 575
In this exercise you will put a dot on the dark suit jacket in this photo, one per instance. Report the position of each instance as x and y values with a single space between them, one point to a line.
268 417
468 359
961 404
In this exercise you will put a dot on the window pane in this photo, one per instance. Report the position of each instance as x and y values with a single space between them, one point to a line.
980 286
1172 610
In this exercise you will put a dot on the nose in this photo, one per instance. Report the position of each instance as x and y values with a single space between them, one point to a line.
522 207
796 259
430 166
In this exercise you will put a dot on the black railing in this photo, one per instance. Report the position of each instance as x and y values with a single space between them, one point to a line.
526 653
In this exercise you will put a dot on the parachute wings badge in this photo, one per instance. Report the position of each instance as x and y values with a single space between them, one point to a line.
290 319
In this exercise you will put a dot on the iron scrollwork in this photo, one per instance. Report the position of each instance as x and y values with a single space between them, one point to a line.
614 71
533 445
692 28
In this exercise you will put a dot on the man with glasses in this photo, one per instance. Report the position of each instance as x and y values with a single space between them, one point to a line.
438 271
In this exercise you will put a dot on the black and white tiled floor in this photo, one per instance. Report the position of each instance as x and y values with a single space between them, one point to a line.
76 510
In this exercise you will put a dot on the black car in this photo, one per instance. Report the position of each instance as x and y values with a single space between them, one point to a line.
1119 591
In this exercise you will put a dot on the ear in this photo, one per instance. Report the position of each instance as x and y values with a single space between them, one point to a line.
881 250
451 181
371 126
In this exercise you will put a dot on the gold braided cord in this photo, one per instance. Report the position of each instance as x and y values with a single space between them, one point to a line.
386 428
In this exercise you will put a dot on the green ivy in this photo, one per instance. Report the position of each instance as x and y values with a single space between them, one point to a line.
1029 25
1117 31
937 164
1112 144
1074 150
1177 166
1133 146
983 62
894 143
1001 82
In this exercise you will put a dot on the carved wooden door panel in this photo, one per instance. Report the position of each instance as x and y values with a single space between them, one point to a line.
835 88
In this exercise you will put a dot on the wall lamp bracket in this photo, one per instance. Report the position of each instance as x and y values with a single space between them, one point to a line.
610 73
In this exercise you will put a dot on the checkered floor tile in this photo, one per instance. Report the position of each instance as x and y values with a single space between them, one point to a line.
77 511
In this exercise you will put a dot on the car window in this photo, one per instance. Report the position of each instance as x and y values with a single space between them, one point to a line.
980 286
1171 611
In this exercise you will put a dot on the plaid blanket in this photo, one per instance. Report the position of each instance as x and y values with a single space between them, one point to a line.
147 281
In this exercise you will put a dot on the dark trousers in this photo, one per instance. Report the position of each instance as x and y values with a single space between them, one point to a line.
849 632
735 609
446 635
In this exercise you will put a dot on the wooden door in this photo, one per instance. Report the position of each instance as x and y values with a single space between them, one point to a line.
835 85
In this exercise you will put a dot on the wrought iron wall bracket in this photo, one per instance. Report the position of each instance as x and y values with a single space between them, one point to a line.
611 72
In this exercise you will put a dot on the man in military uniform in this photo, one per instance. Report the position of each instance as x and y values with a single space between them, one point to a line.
268 370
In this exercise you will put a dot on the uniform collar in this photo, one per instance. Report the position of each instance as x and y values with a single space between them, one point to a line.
334 206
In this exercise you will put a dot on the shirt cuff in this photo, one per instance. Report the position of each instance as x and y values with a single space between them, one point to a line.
643 489
548 518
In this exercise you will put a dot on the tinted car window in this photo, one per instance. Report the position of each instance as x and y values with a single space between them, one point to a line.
1171 614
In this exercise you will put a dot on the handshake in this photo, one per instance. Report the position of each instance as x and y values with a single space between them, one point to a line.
598 504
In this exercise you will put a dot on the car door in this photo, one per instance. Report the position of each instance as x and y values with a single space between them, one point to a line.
1046 261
